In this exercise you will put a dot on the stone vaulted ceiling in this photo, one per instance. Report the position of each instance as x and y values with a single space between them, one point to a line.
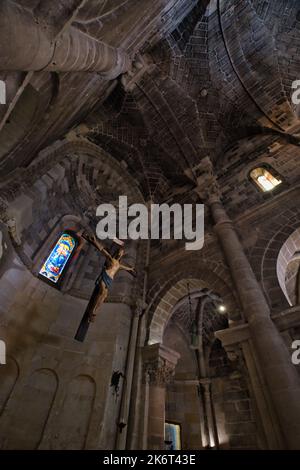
201 78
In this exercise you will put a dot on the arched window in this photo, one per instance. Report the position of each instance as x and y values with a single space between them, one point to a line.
55 265
264 179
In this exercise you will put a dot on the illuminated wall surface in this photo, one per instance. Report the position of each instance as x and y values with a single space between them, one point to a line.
56 262
172 434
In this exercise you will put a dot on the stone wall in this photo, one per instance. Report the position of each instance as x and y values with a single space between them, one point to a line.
234 407
182 407
49 376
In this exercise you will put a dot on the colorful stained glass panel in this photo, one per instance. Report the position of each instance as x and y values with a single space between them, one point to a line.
56 262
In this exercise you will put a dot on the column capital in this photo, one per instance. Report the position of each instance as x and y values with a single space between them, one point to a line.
139 66
207 186
205 381
159 364
140 306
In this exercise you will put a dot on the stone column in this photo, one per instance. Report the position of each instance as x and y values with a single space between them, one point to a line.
281 376
203 418
26 45
159 366
212 432
127 389
211 437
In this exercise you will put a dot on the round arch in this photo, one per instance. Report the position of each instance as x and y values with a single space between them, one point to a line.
176 288
70 179
289 252
274 249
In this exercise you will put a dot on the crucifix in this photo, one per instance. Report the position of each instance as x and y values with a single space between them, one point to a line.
103 283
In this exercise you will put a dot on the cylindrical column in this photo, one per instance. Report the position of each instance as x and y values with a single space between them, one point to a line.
269 421
281 376
76 51
159 364
203 419
26 45
124 411
209 412
146 413
205 385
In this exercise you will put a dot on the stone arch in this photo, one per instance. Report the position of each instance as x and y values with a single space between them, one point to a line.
8 379
286 255
70 165
81 175
30 419
74 426
175 289
266 253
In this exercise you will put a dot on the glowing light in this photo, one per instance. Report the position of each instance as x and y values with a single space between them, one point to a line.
264 179
222 308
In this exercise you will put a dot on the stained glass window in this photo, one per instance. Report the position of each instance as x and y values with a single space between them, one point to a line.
264 179
56 262
173 436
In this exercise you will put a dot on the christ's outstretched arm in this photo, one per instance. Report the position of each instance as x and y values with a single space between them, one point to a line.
93 240
129 269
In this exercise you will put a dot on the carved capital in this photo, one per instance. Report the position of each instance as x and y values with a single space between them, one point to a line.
159 372
13 231
233 352
140 306
205 383
159 364
207 186
139 66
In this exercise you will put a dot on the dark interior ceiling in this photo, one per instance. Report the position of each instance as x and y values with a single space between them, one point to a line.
206 78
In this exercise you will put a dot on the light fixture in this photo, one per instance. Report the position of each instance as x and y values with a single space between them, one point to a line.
222 308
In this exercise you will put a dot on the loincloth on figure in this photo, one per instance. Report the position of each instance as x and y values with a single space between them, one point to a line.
105 278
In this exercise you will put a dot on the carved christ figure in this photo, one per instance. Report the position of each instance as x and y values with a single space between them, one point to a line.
111 267
103 283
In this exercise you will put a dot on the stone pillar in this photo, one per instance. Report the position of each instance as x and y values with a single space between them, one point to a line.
159 366
203 418
127 389
281 376
239 347
72 50
211 435
212 432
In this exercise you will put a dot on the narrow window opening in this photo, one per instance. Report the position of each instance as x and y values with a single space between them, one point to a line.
264 179
55 265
